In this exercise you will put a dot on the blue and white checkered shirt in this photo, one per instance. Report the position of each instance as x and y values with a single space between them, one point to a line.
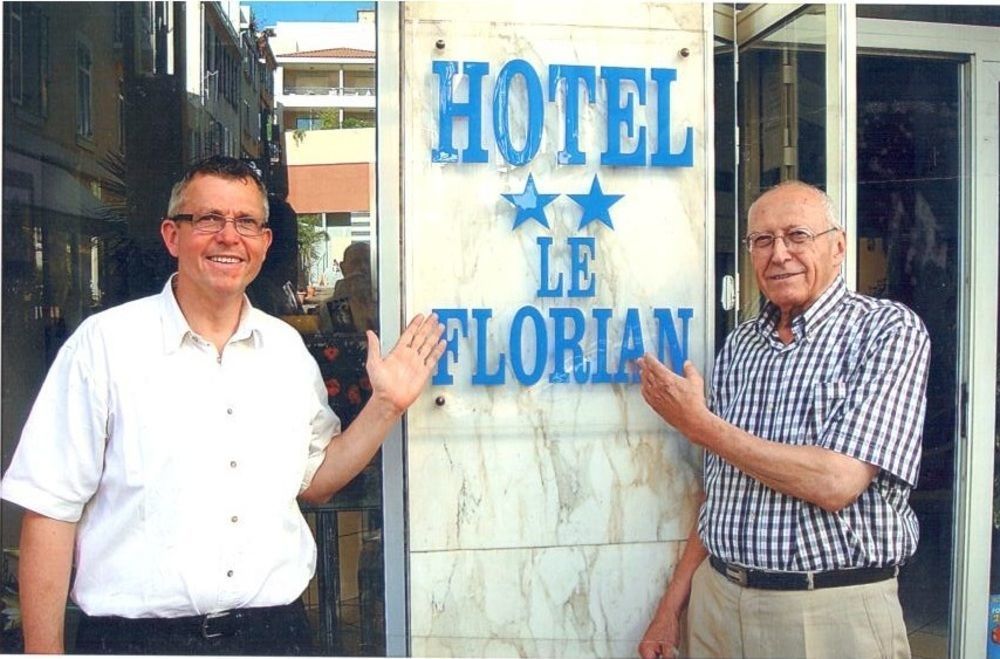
852 380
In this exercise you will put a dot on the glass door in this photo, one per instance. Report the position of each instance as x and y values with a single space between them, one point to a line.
784 111
910 202
727 242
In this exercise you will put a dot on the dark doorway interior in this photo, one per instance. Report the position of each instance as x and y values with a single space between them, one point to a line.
909 195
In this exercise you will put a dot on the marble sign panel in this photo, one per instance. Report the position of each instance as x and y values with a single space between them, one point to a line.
540 219
587 600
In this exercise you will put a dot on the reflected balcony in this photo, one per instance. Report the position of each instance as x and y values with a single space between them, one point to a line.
328 97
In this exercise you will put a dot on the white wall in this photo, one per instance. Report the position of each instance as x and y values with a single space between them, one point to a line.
335 146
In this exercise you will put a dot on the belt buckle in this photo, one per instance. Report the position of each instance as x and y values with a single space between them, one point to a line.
207 619
736 574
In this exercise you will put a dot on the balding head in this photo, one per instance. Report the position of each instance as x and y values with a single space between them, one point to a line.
807 247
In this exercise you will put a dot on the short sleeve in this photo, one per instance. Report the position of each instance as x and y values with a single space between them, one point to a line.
59 460
323 426
877 413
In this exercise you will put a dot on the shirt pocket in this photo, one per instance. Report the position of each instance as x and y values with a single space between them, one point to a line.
829 399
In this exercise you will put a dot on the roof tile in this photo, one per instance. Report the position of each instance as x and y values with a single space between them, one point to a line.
333 52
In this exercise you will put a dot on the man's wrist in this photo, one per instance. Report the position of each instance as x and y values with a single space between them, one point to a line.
384 409
674 600
698 429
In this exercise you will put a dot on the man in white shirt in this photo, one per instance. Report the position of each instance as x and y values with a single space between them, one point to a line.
169 444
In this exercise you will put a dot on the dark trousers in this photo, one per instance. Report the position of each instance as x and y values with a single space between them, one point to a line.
274 631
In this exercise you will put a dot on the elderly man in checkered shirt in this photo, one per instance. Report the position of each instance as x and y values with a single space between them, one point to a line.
812 438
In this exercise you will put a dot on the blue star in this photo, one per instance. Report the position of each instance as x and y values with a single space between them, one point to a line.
596 205
530 204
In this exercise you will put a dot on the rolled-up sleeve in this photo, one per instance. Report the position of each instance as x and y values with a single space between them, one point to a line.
877 413
324 425
59 460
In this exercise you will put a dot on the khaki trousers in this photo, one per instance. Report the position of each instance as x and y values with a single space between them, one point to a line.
728 620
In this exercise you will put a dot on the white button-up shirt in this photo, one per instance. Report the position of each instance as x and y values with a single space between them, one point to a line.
181 465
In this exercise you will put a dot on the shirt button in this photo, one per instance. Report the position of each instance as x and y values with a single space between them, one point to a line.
229 574
234 519
232 464
229 411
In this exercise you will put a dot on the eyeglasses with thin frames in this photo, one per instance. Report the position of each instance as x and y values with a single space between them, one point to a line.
215 222
795 240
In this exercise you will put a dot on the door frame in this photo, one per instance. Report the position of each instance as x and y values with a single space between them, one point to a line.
387 227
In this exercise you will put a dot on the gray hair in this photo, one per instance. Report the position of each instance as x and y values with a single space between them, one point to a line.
232 169
829 209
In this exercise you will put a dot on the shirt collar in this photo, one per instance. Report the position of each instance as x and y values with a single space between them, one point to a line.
811 318
176 329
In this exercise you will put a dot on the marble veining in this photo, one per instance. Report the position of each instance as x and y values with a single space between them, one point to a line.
548 601
544 519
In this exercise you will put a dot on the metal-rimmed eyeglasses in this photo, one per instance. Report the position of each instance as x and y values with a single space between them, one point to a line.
215 222
795 240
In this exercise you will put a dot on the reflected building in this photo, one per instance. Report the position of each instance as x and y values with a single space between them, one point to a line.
63 140
104 105
325 91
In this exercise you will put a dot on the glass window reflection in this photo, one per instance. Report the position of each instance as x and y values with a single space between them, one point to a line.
98 125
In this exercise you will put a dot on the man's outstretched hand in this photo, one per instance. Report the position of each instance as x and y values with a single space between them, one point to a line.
399 377
678 399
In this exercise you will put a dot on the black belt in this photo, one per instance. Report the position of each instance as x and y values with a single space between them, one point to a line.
212 625
767 580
